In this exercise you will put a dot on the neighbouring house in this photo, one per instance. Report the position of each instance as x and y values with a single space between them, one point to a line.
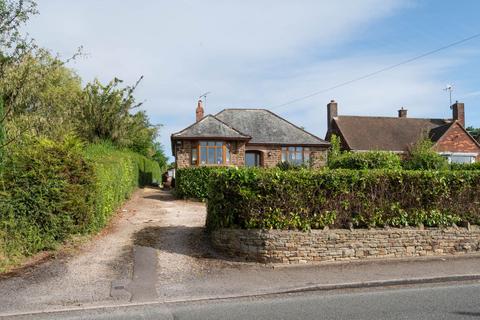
399 134
245 137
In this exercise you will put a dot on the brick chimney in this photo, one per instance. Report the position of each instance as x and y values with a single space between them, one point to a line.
332 112
458 112
402 113
199 111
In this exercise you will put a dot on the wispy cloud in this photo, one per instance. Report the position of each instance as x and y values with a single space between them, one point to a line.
247 53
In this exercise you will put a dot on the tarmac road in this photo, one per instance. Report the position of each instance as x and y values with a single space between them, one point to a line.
455 301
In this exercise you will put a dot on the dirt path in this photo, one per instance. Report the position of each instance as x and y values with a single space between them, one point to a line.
155 239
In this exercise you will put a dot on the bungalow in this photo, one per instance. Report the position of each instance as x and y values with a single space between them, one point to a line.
245 137
399 134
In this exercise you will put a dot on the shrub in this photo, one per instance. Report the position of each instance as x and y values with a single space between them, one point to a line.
465 166
51 190
192 183
284 165
117 174
423 157
366 160
306 199
45 195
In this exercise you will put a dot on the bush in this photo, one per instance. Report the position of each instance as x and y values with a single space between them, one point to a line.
45 195
52 190
366 160
465 166
192 183
117 174
306 199
423 157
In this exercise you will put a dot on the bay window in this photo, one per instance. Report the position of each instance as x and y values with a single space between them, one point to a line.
296 155
211 153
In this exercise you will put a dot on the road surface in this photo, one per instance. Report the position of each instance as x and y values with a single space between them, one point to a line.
456 301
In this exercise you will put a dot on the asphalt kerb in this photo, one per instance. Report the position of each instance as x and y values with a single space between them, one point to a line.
313 288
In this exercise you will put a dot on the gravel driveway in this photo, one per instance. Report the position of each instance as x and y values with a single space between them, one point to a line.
155 240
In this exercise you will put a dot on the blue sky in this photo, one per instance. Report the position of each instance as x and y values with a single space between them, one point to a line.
260 54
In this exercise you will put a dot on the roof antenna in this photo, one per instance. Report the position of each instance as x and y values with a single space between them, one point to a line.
449 88
204 96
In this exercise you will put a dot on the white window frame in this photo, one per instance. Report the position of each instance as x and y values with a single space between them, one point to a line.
448 155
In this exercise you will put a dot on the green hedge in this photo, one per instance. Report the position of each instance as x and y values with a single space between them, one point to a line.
52 190
192 183
117 174
305 199
366 160
465 166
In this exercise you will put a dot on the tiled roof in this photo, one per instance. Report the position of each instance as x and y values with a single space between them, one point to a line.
265 127
388 133
210 127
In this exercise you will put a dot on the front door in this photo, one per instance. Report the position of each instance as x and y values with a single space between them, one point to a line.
252 159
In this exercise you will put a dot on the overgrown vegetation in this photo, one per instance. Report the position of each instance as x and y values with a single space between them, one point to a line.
423 157
52 190
307 199
69 154
366 160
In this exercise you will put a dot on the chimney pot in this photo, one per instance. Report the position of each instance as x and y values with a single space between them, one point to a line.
458 112
199 111
402 113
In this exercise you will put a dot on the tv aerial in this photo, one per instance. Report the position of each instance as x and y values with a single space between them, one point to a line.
449 89
203 97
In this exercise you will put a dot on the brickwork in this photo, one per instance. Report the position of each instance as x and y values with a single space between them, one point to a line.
290 247
271 155
183 154
456 140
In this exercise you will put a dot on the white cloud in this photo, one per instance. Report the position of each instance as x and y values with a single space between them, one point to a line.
247 53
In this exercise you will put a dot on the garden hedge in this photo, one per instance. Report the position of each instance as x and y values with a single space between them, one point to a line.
307 199
52 190
192 183
366 160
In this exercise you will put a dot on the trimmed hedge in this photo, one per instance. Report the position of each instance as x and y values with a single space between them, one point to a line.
306 199
52 190
192 183
465 166
366 160
117 174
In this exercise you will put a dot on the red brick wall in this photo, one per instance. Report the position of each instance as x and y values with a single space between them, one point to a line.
457 140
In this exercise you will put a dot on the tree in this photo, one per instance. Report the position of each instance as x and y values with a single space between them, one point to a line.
422 157
41 94
106 112
475 132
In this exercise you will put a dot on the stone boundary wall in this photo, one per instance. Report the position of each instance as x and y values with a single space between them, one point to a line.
282 246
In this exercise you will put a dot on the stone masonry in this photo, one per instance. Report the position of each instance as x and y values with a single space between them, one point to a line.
290 247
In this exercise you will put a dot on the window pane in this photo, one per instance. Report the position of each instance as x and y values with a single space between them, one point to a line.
211 155
203 155
219 158
299 149
291 149
284 155
194 156
211 143
203 143
219 143
306 156
461 159
291 157
227 155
